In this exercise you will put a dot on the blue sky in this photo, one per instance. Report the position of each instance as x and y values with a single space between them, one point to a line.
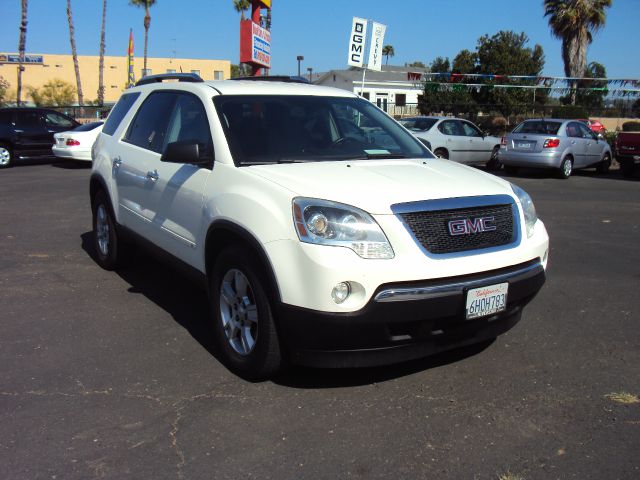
419 30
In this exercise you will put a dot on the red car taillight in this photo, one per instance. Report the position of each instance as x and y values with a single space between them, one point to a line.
72 143
551 142
503 141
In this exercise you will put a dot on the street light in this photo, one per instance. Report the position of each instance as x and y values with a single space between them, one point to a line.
299 58
310 70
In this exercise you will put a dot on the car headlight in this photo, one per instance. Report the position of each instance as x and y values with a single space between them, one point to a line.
529 210
329 223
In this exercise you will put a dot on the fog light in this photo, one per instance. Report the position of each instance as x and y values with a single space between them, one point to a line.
340 292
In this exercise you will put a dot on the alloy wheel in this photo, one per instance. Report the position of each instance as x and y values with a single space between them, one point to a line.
238 312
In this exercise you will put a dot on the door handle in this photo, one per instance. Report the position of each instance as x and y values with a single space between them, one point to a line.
573 142
153 176
116 162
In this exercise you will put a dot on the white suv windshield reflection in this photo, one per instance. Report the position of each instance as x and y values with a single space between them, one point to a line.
283 129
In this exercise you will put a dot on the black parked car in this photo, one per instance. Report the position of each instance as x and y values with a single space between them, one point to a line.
28 132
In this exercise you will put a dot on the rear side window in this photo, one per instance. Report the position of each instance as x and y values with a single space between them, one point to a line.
538 126
119 111
149 127
52 119
29 118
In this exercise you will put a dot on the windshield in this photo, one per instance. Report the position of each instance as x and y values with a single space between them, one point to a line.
538 126
418 124
280 129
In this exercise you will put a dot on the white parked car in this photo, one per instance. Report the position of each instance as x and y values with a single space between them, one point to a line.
456 139
324 233
76 144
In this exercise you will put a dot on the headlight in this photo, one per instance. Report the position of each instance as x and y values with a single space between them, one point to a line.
530 216
330 223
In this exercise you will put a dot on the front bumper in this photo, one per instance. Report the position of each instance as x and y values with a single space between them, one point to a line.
404 321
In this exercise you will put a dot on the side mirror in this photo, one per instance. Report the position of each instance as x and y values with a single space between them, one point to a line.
187 152
600 136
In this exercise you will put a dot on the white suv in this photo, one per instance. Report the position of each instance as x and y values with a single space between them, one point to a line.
326 234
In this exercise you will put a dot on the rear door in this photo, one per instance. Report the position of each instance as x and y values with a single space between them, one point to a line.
455 141
31 133
135 157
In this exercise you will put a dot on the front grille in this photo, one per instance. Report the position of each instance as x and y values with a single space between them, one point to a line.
431 228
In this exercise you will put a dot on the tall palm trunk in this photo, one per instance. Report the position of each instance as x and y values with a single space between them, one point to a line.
74 53
21 47
101 62
147 24
574 55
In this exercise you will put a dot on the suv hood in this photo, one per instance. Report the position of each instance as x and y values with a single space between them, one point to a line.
375 185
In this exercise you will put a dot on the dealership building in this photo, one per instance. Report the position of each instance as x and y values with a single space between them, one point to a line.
41 68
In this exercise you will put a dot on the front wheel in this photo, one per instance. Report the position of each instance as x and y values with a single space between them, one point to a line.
566 167
6 156
244 325
493 163
603 166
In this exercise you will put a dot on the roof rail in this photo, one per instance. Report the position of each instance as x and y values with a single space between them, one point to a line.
275 78
181 77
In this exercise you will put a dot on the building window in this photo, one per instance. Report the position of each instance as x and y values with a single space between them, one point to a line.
218 75
366 95
171 70
146 72
401 99
197 72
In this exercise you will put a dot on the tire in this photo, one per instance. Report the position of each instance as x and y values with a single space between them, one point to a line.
510 169
493 163
108 247
244 325
603 166
441 153
6 156
566 167
627 169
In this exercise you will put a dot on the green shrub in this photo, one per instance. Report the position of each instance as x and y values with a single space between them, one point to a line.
631 127
570 111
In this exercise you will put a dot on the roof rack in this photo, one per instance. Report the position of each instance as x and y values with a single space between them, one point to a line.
275 78
181 77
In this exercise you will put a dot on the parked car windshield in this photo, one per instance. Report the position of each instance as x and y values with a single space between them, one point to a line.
538 126
418 124
293 128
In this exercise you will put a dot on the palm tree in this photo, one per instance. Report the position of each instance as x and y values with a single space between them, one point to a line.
241 6
147 23
21 47
74 53
388 51
574 21
101 63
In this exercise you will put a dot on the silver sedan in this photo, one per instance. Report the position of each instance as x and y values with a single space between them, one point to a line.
563 145
456 139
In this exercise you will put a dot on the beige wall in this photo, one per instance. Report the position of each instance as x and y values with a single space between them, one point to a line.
115 72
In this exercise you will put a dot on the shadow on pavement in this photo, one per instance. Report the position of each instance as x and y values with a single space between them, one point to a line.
187 303
71 164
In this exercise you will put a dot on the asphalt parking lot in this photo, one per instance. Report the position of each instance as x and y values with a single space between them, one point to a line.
112 375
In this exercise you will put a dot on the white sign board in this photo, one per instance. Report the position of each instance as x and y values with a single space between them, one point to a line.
375 51
357 42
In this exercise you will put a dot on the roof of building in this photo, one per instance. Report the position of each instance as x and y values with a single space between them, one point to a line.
389 73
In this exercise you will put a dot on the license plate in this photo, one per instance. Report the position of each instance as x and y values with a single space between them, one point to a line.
525 145
486 300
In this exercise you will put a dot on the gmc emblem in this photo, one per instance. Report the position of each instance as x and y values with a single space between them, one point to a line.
467 226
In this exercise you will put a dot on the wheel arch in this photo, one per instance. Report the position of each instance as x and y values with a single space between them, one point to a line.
224 233
97 183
